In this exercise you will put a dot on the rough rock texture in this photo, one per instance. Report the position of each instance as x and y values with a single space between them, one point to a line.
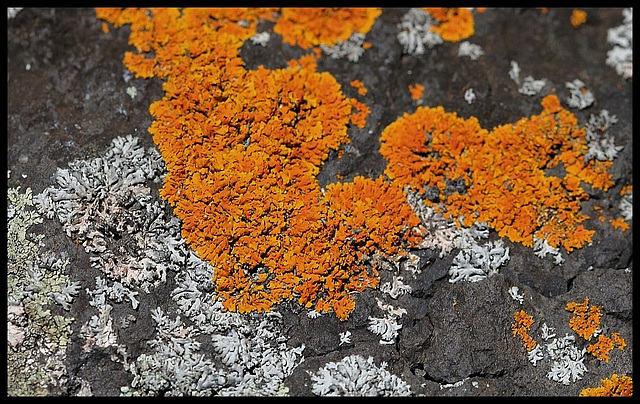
67 101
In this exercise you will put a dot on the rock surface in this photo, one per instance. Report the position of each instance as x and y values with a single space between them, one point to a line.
69 96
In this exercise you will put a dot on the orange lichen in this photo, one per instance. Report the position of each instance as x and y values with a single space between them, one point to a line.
627 189
359 85
605 345
616 386
578 17
455 25
619 223
416 90
307 27
503 170
523 323
585 320
242 149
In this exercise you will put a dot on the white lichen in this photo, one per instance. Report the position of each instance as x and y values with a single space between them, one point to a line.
415 32
351 48
357 376
470 50
513 292
626 207
261 38
567 360
620 57
535 355
579 95
600 142
531 86
469 96
479 261
106 204
542 248
514 72
345 338
13 11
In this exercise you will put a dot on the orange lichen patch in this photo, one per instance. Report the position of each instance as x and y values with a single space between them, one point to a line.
585 320
627 189
522 324
481 9
578 17
242 149
598 208
616 386
359 118
307 27
358 85
544 10
605 345
416 90
602 218
619 223
456 24
503 170
367 45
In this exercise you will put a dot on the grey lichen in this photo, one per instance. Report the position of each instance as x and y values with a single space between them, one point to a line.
470 50
600 142
357 376
38 287
104 203
415 32
477 261
351 48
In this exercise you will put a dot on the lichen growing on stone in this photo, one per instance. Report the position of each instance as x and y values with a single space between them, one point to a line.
356 376
520 328
502 172
233 138
615 386
39 292
307 27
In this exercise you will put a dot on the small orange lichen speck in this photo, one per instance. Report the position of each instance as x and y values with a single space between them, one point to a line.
523 323
616 386
416 90
619 223
578 17
456 24
307 27
242 149
627 189
503 170
359 85
585 320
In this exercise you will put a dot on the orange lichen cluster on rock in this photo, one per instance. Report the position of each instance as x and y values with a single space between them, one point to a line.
503 170
585 320
605 344
616 386
578 17
242 149
521 327
627 189
416 90
308 27
455 25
